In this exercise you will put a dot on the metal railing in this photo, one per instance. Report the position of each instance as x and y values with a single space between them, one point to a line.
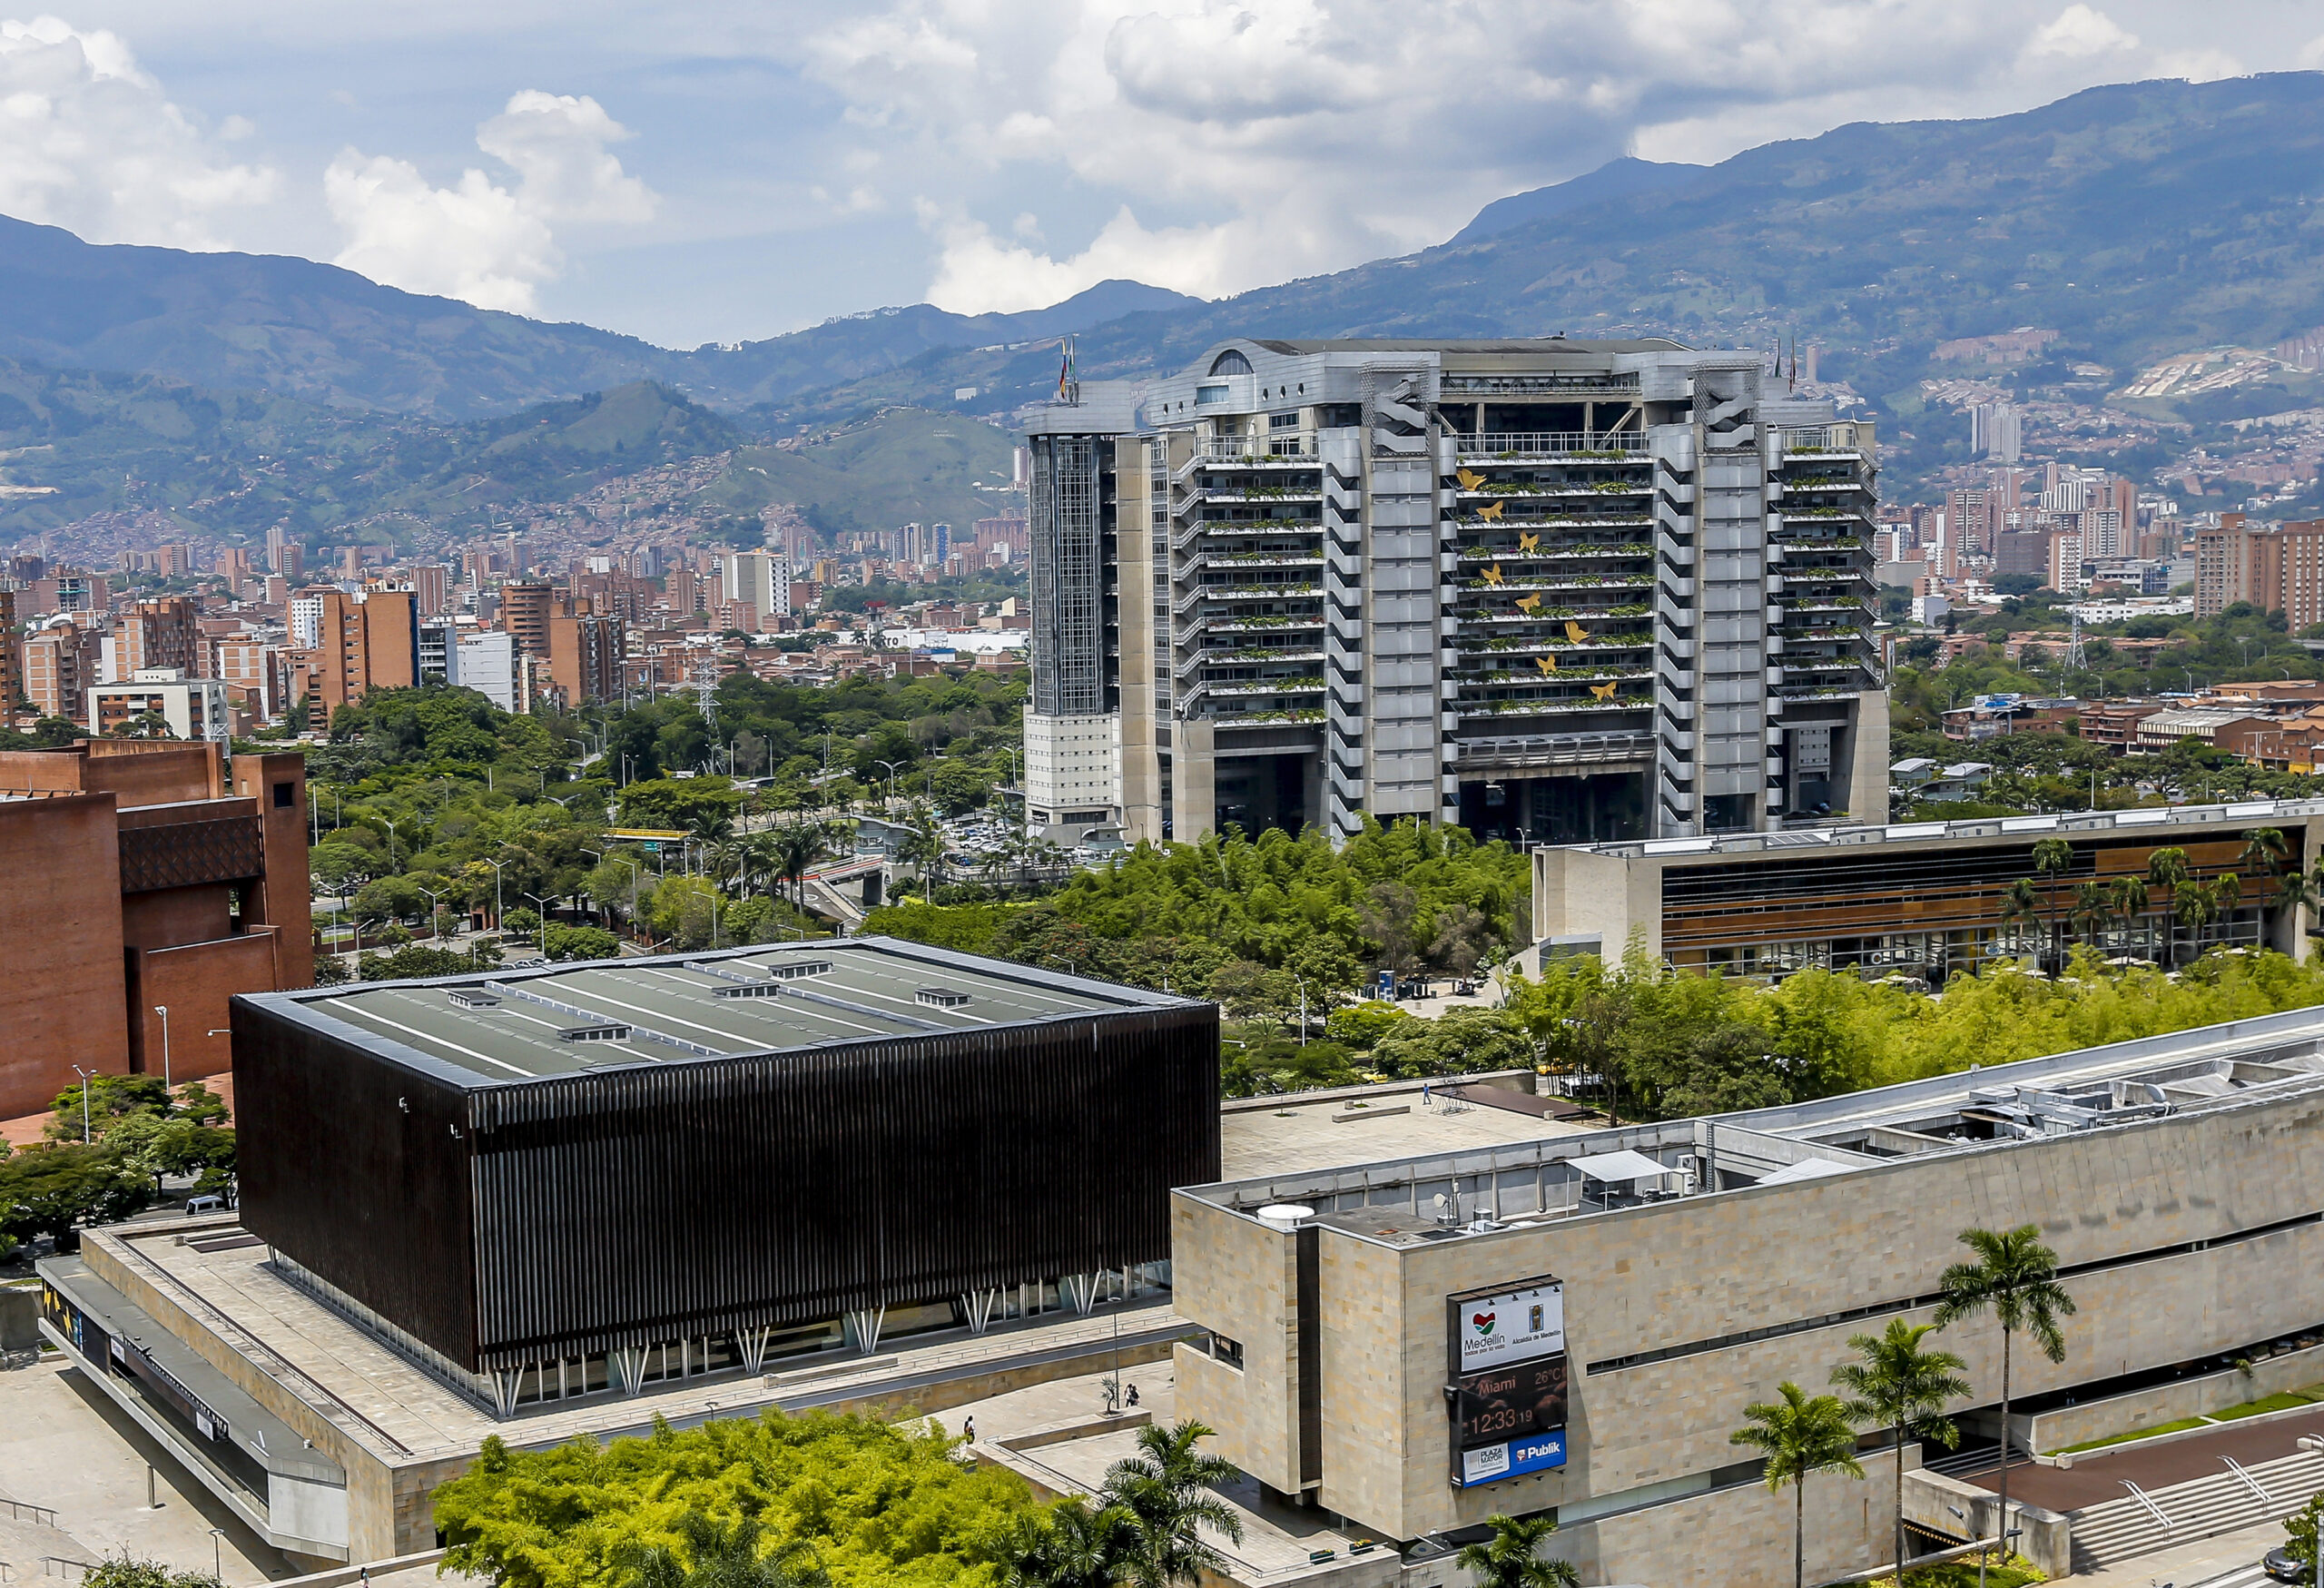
1553 749
1552 443
1297 445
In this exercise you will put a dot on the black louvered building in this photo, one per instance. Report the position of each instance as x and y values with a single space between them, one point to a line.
589 1176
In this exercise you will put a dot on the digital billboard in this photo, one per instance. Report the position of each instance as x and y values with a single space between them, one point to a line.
1507 1388
1495 1328
1508 1403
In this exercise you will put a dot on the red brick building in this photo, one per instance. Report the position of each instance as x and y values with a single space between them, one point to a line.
142 875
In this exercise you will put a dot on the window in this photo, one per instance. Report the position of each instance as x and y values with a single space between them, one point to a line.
284 794
1230 363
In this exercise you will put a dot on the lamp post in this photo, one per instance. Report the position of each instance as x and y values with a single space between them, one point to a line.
163 1011
435 915
2315 1446
891 766
541 931
496 865
84 1103
217 1559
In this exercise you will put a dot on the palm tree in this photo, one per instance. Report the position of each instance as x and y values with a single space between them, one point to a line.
1509 1558
1800 1437
1897 1385
2227 893
795 851
1166 1491
2053 859
2165 870
2266 845
2192 904
719 1557
1070 1546
2094 908
2016 1277
2295 892
2022 901
2130 901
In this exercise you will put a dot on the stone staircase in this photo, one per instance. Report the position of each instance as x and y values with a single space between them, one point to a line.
2133 1526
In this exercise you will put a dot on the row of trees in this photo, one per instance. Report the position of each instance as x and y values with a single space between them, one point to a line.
1899 1383
2169 891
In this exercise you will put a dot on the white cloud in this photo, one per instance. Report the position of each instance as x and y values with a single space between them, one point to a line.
477 240
2312 55
88 141
1216 145
2080 31
2203 65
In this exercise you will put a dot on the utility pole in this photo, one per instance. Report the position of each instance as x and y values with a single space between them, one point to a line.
163 1011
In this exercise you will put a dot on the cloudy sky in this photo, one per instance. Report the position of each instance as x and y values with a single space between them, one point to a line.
698 170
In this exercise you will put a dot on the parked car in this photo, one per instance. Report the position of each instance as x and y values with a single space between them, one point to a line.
2280 1565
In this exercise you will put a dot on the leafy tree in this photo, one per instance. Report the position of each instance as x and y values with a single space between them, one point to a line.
1511 1557
1800 1437
2300 1535
110 1099
709 1555
578 942
1463 1040
415 960
520 923
127 1570
52 1188
1895 1383
878 1504
1167 1492
2015 1277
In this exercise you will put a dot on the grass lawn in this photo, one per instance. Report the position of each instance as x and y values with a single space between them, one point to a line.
1962 1573
2281 1401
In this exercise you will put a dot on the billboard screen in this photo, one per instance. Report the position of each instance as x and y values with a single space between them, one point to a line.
1511 1458
1510 1403
1499 1328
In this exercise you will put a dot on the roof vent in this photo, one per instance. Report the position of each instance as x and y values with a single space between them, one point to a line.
791 970
606 1031
940 997
474 998
749 990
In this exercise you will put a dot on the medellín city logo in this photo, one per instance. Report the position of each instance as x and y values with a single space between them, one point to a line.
1483 1320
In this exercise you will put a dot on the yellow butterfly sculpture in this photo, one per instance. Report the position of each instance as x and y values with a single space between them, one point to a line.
1547 664
1470 479
1492 575
1527 603
1490 513
1528 542
1575 632
1603 691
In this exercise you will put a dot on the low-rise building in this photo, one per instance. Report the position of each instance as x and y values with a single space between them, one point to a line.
191 709
1920 899
1575 1327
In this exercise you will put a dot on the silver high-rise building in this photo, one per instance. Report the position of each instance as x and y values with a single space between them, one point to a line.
1550 590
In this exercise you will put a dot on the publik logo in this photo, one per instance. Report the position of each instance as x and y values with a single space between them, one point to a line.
1483 1320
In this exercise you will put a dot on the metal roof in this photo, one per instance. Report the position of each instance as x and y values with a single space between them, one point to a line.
502 1028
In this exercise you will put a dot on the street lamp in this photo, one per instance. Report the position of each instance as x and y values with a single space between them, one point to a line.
84 1076
434 913
540 933
496 865
217 1562
891 766
163 1011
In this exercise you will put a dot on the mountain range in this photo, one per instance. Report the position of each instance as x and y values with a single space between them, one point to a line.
2135 221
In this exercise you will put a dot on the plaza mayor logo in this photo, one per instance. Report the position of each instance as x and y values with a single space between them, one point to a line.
1484 1321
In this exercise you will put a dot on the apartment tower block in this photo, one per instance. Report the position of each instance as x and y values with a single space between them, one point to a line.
1549 590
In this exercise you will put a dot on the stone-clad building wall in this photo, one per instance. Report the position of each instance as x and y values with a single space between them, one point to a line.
2138 1199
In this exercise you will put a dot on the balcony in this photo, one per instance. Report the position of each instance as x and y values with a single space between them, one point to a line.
1494 446
1282 447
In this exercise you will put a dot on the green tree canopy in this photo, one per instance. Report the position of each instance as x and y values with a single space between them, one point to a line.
875 1504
